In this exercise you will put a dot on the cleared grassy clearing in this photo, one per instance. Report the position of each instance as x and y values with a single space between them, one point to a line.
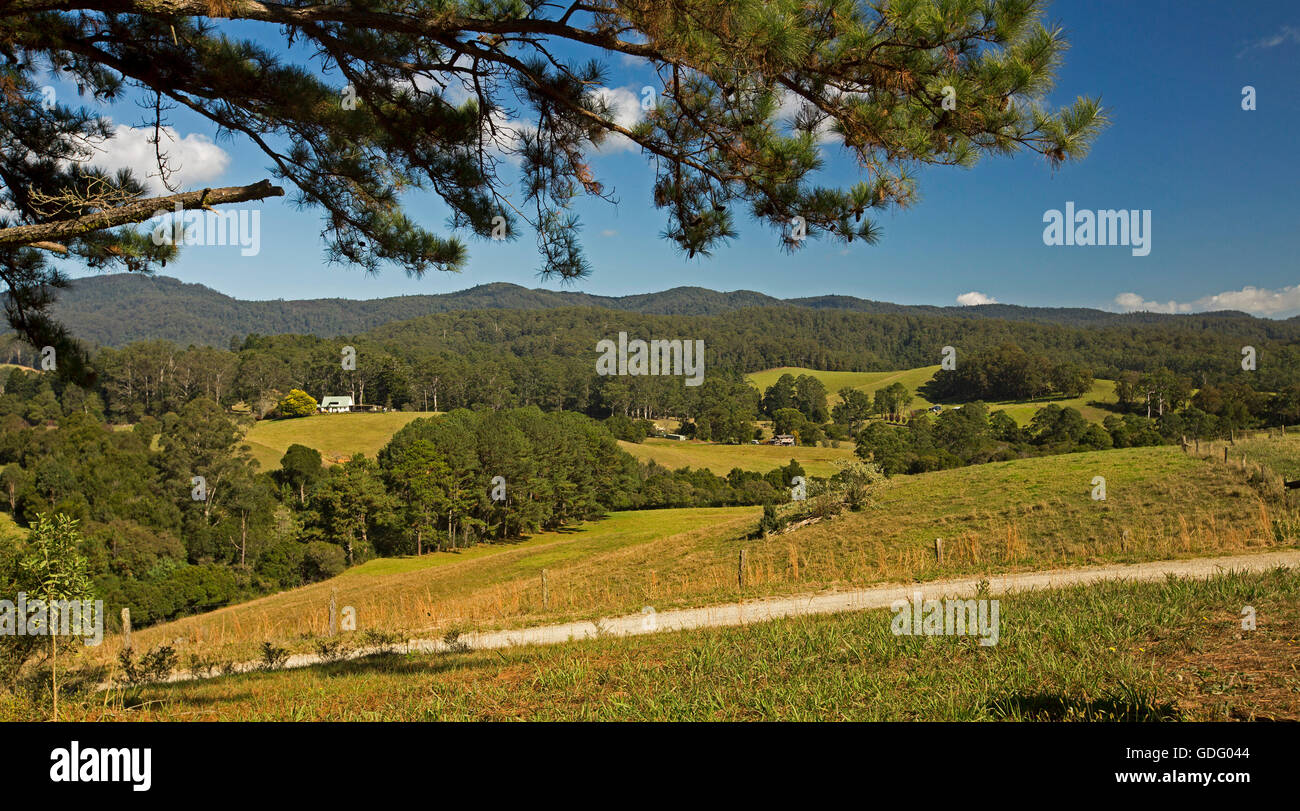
334 435
721 459
1102 391
1005 517
1171 650
864 381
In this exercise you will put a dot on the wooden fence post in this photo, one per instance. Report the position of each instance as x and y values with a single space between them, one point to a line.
938 551
546 592
126 629
1225 454
334 612
740 570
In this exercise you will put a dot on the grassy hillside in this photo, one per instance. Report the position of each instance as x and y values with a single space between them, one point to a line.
721 459
1102 391
472 588
863 381
334 435
1113 651
1008 516
1281 454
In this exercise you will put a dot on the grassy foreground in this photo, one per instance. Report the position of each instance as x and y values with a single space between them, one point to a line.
1004 517
1172 650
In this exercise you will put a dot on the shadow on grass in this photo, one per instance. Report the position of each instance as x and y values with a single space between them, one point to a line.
1058 707
393 664
1112 408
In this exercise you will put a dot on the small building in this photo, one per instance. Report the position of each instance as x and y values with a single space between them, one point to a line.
335 405
783 439
677 437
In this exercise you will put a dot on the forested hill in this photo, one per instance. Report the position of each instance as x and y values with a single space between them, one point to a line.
113 310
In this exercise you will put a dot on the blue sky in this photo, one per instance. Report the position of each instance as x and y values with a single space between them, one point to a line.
1221 183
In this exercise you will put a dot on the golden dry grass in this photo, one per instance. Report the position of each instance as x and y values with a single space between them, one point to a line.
1003 517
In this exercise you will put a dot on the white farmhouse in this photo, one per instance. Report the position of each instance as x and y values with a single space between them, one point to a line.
335 405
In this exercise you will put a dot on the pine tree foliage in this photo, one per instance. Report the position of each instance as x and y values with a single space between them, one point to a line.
361 104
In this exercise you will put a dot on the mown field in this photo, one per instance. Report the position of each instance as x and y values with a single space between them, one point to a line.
1003 517
334 435
721 459
1115 651
1102 391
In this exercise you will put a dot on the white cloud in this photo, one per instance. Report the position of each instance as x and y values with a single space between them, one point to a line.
625 110
1286 34
193 159
609 232
1255 300
790 106
974 298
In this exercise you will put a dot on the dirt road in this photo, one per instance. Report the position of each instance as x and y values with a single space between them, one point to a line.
876 597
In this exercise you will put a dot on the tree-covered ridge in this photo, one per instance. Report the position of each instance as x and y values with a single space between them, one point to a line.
117 309
505 358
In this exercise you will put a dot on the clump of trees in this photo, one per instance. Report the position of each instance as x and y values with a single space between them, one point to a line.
297 403
1007 373
969 434
805 394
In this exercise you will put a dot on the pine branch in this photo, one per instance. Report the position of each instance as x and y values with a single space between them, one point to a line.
139 211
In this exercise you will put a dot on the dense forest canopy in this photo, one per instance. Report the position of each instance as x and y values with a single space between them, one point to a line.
117 309
503 358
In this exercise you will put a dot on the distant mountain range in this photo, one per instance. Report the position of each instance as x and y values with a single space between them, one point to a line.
117 309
